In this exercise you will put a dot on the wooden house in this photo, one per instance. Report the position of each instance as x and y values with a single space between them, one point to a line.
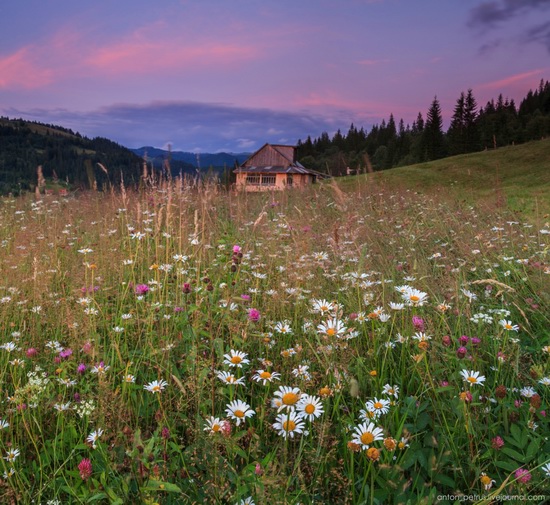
274 167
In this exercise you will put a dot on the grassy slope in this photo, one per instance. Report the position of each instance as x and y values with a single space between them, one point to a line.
517 177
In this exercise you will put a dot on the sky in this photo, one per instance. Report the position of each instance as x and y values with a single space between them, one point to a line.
231 75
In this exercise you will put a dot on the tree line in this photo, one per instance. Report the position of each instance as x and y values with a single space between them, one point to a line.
472 128
67 159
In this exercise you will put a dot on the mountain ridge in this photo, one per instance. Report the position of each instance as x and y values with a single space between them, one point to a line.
197 160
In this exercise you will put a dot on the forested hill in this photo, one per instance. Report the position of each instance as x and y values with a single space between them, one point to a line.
67 158
472 128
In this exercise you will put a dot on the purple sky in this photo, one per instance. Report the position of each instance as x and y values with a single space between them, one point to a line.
213 75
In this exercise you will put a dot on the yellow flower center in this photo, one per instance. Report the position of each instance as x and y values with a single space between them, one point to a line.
485 480
508 326
414 298
290 398
289 425
265 375
236 360
472 380
155 388
324 391
324 308
331 332
310 408
378 405
390 444
216 428
239 413
367 438
230 379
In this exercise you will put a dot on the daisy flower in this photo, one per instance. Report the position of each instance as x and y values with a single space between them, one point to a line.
507 325
247 501
545 381
286 398
129 378
264 376
12 455
236 358
379 407
288 424
93 437
302 372
239 411
527 392
332 328
156 386
472 377
229 378
4 424
391 390
414 297
100 369
365 434
322 306
213 425
397 306
310 407
283 327
546 469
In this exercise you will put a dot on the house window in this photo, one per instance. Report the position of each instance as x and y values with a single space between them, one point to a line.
268 180
289 180
253 180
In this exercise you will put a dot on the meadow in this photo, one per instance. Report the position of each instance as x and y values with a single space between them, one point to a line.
360 341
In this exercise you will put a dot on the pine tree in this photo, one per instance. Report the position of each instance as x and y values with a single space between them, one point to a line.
433 140
457 129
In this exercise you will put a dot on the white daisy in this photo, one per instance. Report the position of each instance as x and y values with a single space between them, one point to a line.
365 434
310 407
288 424
472 377
236 358
156 386
239 411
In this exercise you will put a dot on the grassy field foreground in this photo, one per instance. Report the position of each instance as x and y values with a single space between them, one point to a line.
353 343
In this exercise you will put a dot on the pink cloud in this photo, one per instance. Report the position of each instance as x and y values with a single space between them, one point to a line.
19 70
372 62
525 79
142 56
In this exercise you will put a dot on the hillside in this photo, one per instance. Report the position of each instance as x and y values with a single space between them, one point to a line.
517 177
202 160
67 158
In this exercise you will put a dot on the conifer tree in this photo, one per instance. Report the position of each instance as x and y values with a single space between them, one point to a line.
433 141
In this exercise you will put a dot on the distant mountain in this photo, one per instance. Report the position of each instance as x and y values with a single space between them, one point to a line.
204 161
68 159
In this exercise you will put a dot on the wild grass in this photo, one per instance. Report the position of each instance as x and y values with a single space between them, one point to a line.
119 312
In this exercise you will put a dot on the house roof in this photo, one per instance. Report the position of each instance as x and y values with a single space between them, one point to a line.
274 159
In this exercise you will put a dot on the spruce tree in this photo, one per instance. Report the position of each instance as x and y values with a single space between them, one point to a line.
433 141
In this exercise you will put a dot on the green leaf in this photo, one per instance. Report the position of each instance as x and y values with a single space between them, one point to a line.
533 448
510 467
96 497
445 480
157 485
513 454
515 431
512 441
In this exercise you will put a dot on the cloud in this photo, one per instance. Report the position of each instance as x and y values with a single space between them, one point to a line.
493 12
20 70
144 56
188 126
540 33
372 62
524 78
